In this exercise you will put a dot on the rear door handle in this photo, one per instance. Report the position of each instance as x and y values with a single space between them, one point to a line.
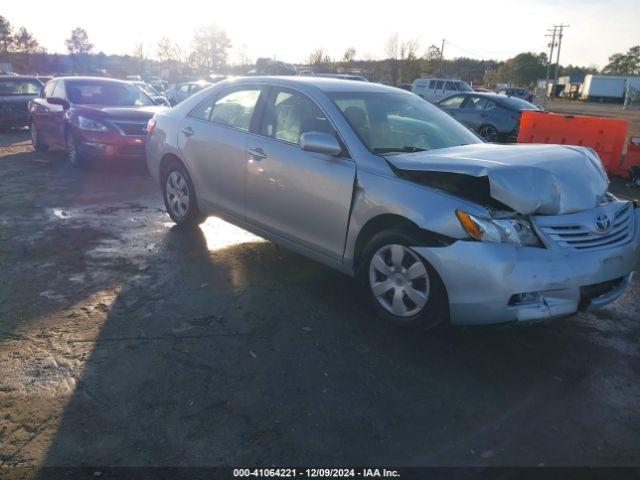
257 153
188 131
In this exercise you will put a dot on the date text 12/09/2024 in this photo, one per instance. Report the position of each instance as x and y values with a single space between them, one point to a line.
315 473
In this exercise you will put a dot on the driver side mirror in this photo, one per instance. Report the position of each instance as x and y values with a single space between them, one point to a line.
320 143
58 101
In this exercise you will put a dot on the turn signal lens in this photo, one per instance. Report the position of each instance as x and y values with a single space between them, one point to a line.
151 124
469 225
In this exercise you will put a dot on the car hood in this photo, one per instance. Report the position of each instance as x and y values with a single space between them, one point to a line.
15 99
127 113
542 179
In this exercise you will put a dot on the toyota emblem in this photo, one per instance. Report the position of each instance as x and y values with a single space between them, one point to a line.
602 223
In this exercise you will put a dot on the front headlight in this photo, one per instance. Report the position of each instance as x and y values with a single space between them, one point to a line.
518 231
93 125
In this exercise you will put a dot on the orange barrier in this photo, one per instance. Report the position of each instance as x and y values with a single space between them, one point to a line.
605 135
631 158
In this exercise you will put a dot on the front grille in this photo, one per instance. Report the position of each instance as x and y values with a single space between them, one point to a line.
132 150
578 236
132 128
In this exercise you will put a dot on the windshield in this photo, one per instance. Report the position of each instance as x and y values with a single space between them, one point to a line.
19 86
148 89
390 123
106 93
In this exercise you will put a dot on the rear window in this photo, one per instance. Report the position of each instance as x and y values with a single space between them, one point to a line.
519 104
18 86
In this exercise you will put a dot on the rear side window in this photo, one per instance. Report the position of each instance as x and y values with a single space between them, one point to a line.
203 111
449 86
439 84
432 84
236 108
290 114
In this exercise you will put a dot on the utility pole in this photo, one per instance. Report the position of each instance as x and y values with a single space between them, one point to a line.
555 81
551 46
441 57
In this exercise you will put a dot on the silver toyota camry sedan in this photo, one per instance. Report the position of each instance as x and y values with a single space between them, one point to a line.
376 182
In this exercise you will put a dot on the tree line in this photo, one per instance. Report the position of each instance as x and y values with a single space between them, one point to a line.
209 53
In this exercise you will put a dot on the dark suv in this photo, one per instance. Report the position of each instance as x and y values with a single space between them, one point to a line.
91 118
15 93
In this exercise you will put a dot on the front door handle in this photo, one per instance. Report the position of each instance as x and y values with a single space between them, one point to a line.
257 154
188 132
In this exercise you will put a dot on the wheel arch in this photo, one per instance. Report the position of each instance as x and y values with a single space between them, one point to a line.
388 221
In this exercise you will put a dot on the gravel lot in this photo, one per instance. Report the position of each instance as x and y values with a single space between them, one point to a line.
124 341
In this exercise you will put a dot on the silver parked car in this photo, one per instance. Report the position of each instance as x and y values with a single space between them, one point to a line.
380 184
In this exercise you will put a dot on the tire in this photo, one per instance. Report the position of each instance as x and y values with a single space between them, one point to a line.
489 133
36 142
180 196
73 156
404 289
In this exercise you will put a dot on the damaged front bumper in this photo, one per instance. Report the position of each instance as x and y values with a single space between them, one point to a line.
489 283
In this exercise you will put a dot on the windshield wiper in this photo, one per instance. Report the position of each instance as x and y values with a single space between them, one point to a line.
404 149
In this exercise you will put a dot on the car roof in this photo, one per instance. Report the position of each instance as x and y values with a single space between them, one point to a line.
18 77
326 84
96 79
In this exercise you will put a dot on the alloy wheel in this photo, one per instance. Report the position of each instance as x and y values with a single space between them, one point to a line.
177 194
399 280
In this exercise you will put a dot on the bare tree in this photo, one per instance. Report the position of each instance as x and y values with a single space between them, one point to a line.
210 49
167 51
409 66
243 56
319 57
349 55
391 47
140 54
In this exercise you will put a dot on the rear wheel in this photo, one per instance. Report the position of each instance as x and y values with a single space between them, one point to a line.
489 133
403 287
180 196
36 142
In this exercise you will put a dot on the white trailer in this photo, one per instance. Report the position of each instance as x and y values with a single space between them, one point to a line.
603 87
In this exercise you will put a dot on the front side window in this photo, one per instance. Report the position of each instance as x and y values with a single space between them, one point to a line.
463 87
13 86
184 88
391 123
96 92
449 86
236 108
290 114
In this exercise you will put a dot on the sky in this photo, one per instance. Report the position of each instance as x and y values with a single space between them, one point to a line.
290 30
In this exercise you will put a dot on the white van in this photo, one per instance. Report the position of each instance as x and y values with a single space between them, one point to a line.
434 89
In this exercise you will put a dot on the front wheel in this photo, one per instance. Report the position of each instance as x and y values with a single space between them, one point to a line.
36 142
180 196
73 156
402 286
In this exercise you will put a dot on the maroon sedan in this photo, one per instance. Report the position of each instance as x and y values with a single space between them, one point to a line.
91 118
